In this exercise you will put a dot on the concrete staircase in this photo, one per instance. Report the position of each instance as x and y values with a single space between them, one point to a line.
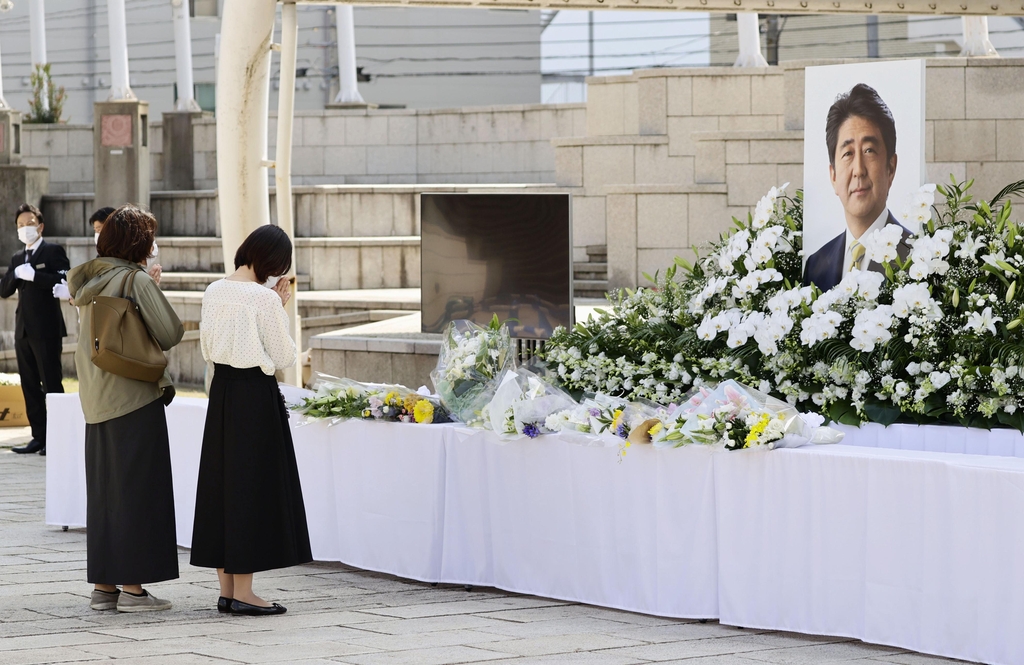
590 277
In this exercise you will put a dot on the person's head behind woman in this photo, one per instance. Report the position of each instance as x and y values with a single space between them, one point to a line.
127 234
268 251
99 217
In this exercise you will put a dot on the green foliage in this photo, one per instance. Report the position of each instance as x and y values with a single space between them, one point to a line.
43 89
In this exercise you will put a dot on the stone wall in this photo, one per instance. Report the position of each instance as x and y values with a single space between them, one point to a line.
488 144
66 150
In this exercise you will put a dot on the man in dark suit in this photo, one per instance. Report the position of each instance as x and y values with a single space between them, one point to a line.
860 135
39 324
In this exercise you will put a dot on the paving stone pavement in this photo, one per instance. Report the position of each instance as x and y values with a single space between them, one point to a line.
338 614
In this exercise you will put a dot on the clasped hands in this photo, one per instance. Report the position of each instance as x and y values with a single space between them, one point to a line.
26 272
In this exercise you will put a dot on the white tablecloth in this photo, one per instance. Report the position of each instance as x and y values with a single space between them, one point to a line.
915 549
937 439
566 521
912 549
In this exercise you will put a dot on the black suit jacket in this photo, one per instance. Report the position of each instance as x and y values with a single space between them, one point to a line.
824 268
38 315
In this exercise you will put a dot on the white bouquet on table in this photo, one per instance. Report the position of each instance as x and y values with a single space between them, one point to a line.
522 404
471 366
739 417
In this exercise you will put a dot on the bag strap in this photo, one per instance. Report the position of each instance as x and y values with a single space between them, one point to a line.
127 282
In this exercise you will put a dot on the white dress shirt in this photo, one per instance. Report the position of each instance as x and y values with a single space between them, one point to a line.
848 256
32 248
244 325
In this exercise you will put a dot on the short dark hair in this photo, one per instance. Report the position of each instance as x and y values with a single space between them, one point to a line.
127 234
28 207
267 250
101 215
863 102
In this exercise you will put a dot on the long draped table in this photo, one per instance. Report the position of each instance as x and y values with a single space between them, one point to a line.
912 548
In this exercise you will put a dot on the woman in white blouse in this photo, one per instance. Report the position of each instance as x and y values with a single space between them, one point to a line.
249 511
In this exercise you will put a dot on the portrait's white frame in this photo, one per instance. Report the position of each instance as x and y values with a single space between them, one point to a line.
900 84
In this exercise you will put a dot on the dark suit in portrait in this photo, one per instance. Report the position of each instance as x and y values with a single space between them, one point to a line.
824 268
39 328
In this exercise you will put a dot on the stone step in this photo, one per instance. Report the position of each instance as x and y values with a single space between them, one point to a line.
588 271
371 262
590 288
597 253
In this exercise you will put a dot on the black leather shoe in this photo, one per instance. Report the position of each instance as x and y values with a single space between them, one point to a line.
238 607
33 446
43 451
223 604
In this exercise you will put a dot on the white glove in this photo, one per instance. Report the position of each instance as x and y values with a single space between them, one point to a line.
26 272
61 290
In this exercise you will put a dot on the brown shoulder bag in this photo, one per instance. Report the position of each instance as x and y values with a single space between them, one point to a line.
121 342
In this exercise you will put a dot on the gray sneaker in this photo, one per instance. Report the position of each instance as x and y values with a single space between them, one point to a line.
104 600
145 603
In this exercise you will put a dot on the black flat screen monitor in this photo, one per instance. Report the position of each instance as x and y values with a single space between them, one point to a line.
504 254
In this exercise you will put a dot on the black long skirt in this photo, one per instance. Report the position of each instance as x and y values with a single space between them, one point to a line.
130 512
249 511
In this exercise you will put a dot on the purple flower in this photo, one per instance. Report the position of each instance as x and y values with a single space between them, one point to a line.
621 431
531 430
595 412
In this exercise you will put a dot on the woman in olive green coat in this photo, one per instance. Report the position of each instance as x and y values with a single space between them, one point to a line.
130 513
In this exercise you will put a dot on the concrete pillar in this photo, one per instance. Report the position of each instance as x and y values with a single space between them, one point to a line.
10 135
348 84
749 40
178 157
120 88
121 152
283 162
37 40
243 87
183 56
976 41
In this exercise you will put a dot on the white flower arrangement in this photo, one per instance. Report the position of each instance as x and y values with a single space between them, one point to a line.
951 310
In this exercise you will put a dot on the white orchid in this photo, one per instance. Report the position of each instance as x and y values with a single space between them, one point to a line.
979 322
881 245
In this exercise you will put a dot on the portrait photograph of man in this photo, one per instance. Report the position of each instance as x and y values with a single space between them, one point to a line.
862 179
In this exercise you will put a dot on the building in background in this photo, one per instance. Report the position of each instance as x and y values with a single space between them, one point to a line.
416 57
832 36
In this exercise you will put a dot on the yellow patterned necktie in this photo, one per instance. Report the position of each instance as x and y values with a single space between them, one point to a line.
857 250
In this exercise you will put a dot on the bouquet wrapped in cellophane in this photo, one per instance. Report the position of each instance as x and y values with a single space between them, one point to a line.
738 417
339 399
522 404
470 367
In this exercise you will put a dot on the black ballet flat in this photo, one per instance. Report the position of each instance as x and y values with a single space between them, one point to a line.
238 607
223 604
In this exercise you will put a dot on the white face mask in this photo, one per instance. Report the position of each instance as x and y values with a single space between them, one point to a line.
28 234
96 237
155 252
272 282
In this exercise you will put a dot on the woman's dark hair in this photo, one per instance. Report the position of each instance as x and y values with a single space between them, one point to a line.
863 102
267 250
127 234
101 215
28 207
